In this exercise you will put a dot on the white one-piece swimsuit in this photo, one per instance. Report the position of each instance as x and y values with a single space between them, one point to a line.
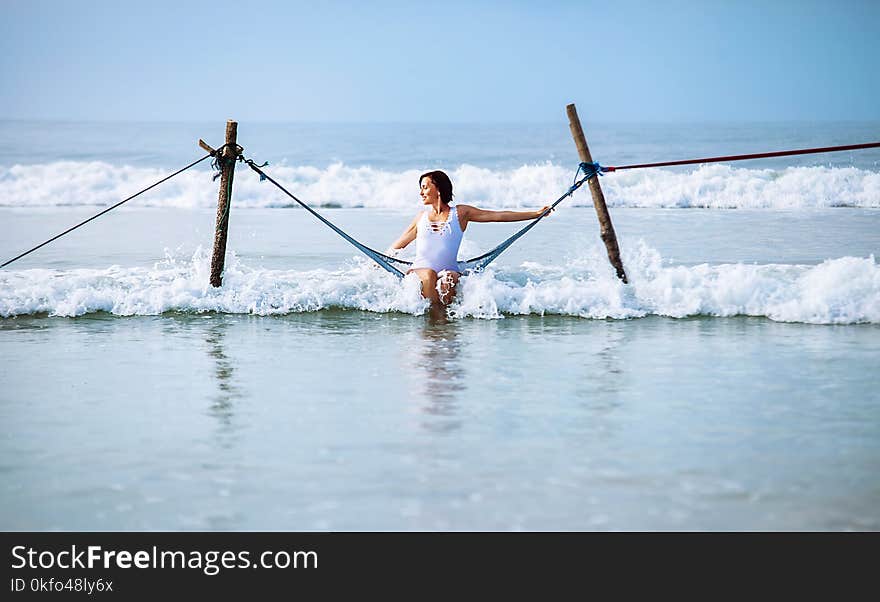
437 243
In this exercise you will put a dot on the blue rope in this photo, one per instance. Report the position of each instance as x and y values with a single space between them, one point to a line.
383 260
478 263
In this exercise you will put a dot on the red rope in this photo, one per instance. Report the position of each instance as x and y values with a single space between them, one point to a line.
805 151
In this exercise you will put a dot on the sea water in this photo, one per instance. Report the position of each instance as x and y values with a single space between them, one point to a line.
731 385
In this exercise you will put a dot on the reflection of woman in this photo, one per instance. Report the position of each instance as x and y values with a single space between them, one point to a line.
440 375
438 233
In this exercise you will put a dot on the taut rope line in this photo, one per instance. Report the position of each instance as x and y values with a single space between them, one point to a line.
97 215
786 153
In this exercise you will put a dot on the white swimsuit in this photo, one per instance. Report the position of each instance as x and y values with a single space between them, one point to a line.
437 243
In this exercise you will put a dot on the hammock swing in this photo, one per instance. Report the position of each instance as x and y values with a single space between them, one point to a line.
398 267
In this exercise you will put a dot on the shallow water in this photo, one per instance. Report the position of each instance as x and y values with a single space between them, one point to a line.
356 420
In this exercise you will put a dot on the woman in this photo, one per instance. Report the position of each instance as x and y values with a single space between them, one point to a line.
438 233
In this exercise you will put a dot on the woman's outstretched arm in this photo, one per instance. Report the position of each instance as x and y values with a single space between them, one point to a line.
407 237
475 214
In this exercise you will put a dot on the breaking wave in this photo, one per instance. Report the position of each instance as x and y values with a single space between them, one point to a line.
71 183
845 290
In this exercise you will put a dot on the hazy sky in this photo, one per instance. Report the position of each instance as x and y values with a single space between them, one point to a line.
440 61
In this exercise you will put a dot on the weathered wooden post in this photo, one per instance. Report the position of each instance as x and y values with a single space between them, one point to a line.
224 202
606 229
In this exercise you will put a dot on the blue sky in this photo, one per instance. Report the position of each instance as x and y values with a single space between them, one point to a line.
440 62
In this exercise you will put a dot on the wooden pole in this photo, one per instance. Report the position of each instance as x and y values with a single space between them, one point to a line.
224 202
606 229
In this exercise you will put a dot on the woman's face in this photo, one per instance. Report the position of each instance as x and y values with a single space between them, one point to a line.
429 192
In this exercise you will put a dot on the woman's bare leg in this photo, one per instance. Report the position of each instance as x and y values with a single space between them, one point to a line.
441 293
429 284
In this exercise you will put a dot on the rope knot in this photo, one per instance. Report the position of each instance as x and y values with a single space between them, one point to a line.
221 160
591 169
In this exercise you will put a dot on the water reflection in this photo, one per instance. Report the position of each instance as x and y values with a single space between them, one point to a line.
222 402
441 374
611 368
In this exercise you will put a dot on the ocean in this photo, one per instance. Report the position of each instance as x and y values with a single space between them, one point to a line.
731 385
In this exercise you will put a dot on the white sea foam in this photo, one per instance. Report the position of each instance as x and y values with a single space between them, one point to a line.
838 291
709 186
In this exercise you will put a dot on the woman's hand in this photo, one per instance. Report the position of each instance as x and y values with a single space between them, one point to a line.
543 209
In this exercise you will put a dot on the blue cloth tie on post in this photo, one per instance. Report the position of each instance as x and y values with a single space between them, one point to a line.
590 170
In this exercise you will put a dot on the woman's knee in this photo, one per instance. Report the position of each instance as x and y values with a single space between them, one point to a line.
429 282
428 277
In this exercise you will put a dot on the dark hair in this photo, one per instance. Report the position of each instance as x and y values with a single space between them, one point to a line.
442 182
